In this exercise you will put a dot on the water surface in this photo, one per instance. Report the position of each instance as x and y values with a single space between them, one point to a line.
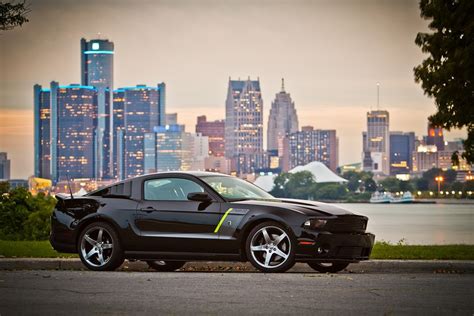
419 224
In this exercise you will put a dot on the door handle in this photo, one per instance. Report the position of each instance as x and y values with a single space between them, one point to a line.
148 209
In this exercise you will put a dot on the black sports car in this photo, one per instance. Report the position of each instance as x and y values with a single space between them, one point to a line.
169 218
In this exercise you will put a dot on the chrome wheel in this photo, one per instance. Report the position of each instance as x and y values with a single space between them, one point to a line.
97 246
270 247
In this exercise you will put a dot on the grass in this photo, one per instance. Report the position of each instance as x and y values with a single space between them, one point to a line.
30 249
382 250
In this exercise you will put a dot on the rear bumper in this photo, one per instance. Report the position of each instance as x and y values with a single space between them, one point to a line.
326 246
61 236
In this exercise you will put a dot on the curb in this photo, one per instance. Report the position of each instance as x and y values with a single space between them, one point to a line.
371 266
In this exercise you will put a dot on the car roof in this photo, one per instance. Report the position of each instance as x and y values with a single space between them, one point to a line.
192 173
197 174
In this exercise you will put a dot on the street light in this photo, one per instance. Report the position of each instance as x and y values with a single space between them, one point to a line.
439 179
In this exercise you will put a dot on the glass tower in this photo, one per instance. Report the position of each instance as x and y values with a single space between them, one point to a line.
97 70
137 110
377 141
42 131
310 145
402 146
73 138
244 125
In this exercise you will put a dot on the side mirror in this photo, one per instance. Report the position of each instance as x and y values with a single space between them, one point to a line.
199 197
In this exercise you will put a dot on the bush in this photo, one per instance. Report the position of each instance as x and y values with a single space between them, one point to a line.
24 216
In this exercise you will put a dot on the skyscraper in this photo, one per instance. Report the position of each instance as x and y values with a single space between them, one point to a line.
42 130
435 137
215 130
310 145
402 146
117 132
4 166
73 138
141 113
283 119
97 70
244 125
170 148
377 141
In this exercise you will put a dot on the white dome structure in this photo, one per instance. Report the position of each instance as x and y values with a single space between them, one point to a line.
321 173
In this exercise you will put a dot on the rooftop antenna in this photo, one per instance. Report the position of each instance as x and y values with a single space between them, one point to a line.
69 186
282 84
378 95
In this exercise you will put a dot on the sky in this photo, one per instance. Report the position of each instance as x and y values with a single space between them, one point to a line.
331 54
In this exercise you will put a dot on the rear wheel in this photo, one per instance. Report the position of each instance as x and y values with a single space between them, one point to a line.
99 247
165 266
270 247
328 267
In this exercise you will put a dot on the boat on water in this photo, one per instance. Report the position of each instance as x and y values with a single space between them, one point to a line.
381 197
387 197
407 197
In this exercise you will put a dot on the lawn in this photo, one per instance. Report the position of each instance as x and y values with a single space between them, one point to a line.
382 250
30 249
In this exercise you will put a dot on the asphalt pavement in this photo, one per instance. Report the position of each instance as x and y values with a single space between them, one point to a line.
87 292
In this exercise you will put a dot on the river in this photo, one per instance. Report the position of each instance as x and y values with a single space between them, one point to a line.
419 224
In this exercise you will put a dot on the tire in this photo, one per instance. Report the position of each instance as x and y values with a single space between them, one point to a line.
328 267
99 247
165 266
277 242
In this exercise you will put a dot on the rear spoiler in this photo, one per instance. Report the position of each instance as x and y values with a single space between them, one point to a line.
62 196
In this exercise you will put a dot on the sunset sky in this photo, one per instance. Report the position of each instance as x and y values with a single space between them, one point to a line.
331 54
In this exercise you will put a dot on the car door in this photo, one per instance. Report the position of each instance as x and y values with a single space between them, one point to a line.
168 222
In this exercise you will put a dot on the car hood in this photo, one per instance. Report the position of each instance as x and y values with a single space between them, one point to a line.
310 208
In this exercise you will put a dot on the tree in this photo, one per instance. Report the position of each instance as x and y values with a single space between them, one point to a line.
391 184
13 15
24 216
448 72
279 184
370 185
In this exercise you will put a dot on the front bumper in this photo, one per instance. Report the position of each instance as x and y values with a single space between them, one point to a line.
325 246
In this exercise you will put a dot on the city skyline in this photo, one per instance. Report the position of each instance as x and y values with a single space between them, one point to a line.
321 95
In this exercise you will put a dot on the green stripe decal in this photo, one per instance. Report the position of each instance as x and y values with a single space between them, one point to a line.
222 220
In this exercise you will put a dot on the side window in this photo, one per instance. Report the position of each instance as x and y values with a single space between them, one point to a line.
170 189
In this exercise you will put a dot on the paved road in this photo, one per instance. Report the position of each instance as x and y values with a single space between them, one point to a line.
81 292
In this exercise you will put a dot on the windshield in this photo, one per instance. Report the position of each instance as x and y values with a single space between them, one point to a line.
233 188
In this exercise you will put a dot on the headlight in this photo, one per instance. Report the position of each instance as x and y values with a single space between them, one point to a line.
314 223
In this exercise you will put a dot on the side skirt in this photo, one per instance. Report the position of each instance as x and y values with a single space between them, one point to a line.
188 256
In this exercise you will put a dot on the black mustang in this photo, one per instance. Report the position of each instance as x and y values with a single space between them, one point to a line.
169 218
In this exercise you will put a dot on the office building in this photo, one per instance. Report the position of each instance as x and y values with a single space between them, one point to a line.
42 130
4 166
74 136
282 121
141 113
244 125
97 70
376 142
171 119
215 131
310 145
170 148
435 137
425 158
402 146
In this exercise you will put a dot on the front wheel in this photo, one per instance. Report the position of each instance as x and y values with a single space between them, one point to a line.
328 267
165 266
99 247
270 247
